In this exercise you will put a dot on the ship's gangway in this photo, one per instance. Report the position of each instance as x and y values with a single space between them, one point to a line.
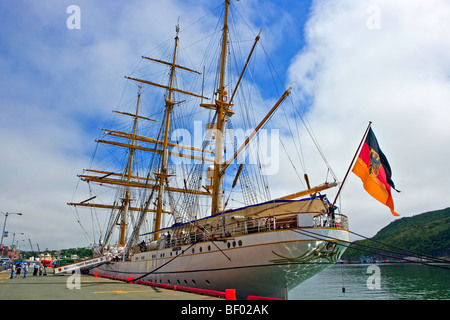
85 264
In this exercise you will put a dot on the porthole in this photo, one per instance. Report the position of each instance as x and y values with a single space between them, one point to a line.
185 282
234 244
168 281
207 282
193 250
178 281
228 245
201 249
193 281
209 248
240 243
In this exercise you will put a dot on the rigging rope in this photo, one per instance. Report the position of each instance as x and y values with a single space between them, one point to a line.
156 269
371 249
405 250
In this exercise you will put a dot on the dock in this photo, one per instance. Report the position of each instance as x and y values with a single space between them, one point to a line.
62 287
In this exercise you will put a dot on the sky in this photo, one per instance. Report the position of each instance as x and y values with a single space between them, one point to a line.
350 62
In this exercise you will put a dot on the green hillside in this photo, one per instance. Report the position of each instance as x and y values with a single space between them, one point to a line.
427 233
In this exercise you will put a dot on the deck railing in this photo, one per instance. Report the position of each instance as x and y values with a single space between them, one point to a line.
236 226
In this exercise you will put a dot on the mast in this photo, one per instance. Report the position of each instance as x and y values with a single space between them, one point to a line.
127 179
162 174
127 199
222 111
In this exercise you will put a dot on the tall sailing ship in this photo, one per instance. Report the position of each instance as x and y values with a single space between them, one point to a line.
171 204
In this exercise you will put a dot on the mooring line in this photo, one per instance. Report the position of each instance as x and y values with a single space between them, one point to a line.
377 250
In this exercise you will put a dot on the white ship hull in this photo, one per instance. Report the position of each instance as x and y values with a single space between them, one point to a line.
260 264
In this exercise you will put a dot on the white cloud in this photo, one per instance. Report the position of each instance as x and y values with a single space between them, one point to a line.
396 76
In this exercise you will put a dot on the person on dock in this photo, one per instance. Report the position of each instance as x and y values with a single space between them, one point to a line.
36 269
13 270
18 269
25 270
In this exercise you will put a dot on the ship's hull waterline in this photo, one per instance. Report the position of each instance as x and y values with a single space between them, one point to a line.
260 264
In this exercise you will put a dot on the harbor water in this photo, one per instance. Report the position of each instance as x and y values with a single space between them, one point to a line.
396 281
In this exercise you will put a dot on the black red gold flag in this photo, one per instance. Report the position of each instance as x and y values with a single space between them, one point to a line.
375 172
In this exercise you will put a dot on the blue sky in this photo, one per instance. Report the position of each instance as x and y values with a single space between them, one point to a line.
58 86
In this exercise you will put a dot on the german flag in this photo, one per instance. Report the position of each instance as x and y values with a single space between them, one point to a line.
375 173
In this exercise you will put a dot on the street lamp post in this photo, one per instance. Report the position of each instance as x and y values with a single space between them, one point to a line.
4 224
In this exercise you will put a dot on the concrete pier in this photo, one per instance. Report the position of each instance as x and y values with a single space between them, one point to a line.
64 287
